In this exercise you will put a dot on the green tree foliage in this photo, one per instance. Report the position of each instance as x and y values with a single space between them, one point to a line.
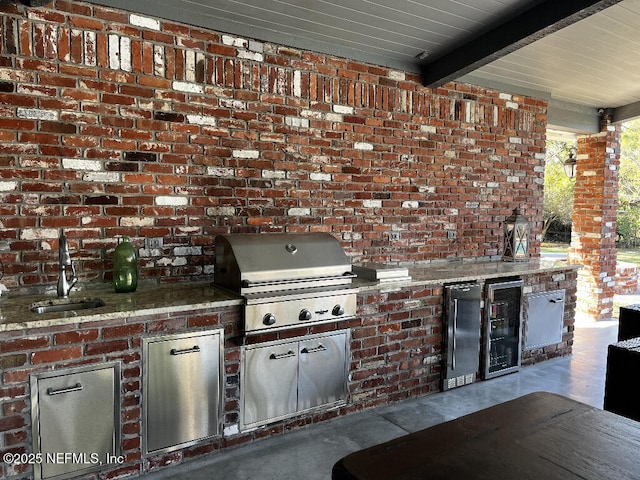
628 220
558 188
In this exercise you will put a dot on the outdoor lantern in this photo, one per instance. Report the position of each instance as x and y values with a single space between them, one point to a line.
571 164
516 237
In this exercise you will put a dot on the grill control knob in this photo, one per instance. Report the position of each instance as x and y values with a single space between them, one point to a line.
304 315
269 319
338 310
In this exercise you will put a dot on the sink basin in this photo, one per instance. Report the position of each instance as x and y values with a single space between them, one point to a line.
66 305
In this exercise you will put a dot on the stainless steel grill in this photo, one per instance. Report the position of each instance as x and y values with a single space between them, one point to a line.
286 280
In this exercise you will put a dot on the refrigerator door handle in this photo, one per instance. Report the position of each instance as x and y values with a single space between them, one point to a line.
455 327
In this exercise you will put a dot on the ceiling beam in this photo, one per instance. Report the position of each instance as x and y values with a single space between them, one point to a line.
545 18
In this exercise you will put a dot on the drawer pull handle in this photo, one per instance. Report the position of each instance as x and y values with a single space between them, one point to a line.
319 348
556 300
278 356
177 351
52 391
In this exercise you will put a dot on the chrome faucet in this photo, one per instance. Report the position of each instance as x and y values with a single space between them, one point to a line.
65 285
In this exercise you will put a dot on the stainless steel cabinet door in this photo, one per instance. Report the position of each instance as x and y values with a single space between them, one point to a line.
322 371
181 389
269 383
545 319
75 413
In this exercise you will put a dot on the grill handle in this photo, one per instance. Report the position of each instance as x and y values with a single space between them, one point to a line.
251 284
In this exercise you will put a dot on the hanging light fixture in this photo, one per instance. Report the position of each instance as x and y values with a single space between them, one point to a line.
516 237
571 164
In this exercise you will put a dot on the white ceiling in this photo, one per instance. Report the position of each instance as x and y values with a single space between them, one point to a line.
589 65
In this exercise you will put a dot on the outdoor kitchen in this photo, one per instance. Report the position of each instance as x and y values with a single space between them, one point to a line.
297 219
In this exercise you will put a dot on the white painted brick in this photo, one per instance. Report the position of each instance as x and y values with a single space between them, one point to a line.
38 233
171 200
450 154
320 177
513 105
144 22
137 221
297 122
274 174
333 117
425 189
187 87
8 186
589 173
90 48
517 140
311 114
234 41
202 120
493 184
173 262
513 179
235 104
190 66
114 52
343 109
297 83
410 204
158 60
428 128
184 251
37 114
125 54
221 211
372 203
299 211
362 146
558 277
472 205
256 46
247 55
81 164
221 172
396 75
102 177
505 96
245 154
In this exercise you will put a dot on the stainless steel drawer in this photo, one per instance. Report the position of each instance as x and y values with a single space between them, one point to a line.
181 389
76 412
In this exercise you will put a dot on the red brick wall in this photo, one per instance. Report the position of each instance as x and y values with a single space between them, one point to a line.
116 124
593 235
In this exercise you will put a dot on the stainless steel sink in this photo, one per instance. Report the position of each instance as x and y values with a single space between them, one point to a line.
66 305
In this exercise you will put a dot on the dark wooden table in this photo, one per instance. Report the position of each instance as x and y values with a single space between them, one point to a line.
538 436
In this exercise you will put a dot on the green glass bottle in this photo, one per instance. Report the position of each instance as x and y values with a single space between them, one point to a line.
125 267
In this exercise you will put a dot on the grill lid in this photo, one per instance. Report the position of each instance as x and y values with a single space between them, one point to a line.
263 262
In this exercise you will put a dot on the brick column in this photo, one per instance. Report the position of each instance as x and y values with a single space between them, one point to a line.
593 235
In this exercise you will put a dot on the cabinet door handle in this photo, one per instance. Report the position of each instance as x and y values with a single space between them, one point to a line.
177 351
278 356
319 348
52 391
455 328
556 300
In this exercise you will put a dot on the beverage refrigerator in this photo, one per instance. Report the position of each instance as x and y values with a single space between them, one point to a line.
503 327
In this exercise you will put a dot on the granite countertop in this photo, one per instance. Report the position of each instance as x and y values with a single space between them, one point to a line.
425 274
15 313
